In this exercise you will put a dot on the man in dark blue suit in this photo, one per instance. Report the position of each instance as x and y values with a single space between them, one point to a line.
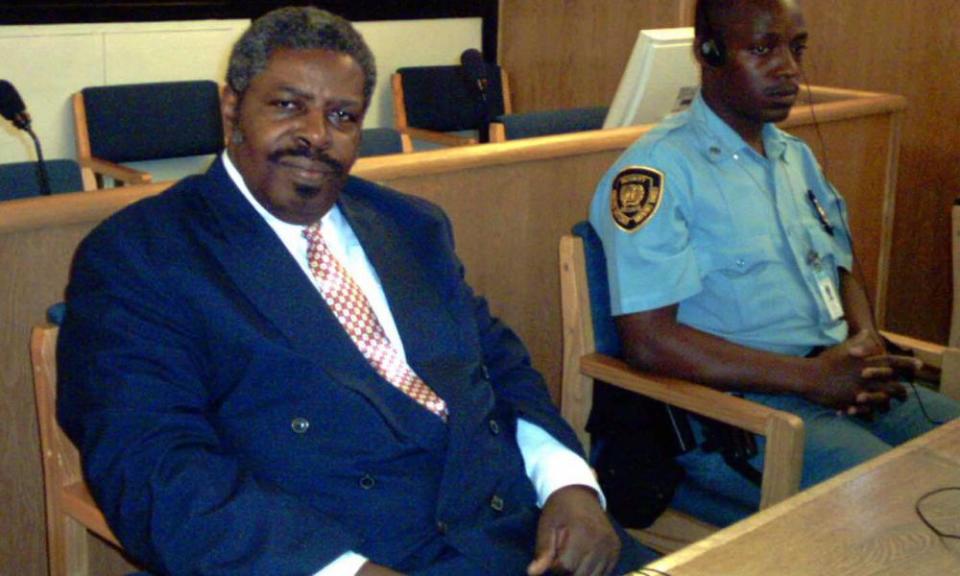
232 416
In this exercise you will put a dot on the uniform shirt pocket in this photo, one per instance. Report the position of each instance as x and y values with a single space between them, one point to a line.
747 287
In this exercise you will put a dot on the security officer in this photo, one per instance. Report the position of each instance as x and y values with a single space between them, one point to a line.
732 265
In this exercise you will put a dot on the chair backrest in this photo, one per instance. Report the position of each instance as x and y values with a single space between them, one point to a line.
19 179
441 98
547 122
382 141
606 339
131 122
70 509
587 324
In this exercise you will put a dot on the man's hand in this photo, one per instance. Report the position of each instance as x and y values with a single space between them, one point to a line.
574 536
859 376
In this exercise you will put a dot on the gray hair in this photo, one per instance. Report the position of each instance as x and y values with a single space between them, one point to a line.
298 28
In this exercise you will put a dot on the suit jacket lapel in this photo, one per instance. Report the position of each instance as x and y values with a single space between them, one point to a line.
433 341
262 269
428 329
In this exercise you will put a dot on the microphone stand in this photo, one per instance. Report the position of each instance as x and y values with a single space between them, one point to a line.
483 105
42 177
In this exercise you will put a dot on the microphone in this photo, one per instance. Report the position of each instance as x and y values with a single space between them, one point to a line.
13 109
475 71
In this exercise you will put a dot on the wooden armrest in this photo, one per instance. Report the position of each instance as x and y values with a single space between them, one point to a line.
687 395
928 352
79 505
116 171
944 358
439 137
498 132
783 456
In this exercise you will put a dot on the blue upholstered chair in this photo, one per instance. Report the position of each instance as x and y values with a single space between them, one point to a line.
591 351
546 122
383 141
152 121
433 103
19 179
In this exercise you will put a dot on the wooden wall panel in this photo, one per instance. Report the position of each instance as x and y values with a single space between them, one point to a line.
910 48
562 53
572 52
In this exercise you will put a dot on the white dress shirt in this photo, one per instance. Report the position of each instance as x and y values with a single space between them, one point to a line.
549 464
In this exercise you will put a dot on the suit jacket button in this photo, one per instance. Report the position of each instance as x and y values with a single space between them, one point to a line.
494 427
441 527
496 503
367 481
485 371
299 425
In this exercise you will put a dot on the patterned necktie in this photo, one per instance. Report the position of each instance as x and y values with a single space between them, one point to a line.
353 310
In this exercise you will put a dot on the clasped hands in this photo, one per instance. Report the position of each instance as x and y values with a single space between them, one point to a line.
859 376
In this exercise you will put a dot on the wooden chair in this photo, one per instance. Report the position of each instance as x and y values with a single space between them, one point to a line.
432 102
546 122
383 141
583 365
151 121
71 511
942 362
19 179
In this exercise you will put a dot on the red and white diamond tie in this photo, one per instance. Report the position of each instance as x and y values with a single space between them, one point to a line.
353 310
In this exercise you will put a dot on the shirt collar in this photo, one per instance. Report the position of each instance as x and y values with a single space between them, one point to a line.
720 141
332 219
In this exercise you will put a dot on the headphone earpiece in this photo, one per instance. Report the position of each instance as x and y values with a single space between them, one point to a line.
714 52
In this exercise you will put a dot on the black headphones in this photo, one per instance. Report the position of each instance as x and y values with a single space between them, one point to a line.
714 52
712 48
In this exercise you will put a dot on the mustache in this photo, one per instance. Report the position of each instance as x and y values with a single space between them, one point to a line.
310 154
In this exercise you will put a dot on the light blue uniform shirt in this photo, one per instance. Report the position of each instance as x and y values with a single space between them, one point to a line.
735 240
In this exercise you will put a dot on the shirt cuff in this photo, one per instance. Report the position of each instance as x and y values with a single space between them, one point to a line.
550 465
347 564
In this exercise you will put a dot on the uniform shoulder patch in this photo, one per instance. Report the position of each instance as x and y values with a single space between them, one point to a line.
635 196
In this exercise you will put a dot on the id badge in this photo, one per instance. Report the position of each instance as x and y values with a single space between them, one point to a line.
828 291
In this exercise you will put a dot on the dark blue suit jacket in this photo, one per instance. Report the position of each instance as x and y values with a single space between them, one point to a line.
228 425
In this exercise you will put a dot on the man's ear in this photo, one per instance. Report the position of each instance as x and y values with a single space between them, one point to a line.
229 110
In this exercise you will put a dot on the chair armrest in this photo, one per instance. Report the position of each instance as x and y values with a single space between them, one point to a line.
928 352
784 433
116 171
498 132
943 358
438 137
79 505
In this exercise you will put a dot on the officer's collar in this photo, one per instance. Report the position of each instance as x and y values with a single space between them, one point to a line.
720 142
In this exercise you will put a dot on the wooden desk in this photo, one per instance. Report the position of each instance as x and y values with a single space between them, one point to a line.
861 522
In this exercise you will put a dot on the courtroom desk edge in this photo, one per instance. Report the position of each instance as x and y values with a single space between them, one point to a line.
760 519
